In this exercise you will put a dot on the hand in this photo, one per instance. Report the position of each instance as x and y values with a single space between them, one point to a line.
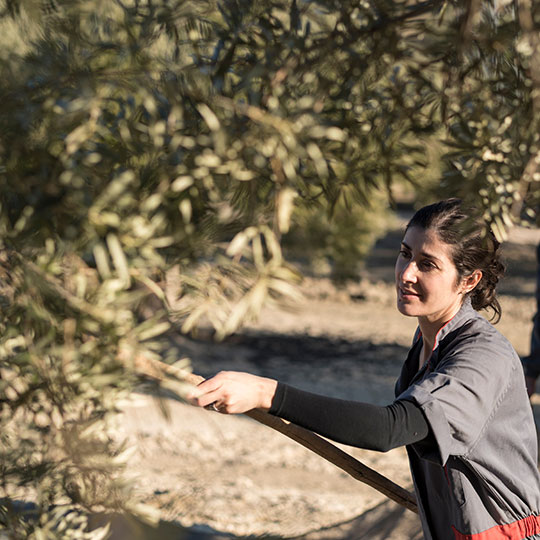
234 392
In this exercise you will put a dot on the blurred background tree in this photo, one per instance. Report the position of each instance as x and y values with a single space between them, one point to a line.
181 154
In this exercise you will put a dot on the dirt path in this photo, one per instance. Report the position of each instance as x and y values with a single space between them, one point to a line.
232 475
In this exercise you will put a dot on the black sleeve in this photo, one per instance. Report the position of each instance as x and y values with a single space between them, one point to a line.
352 422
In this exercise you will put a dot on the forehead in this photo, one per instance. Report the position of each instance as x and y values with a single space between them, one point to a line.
427 242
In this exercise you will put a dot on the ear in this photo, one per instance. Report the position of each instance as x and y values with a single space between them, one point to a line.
468 283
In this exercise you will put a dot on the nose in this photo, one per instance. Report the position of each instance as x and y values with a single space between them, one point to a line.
408 272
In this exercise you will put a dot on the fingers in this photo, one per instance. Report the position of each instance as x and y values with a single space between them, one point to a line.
228 392
234 392
208 392
203 398
209 385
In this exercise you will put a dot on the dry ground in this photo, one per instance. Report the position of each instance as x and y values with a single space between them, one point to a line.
232 475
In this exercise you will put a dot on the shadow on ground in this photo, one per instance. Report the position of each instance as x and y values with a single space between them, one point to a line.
336 366
125 527
376 524
379 523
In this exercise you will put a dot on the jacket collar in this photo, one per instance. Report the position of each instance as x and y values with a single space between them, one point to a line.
466 313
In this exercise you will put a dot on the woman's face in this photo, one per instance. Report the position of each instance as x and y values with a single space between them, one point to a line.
426 278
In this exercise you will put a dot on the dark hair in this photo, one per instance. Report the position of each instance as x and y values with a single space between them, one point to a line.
473 247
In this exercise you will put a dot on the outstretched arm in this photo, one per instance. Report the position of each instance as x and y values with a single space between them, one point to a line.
355 423
350 422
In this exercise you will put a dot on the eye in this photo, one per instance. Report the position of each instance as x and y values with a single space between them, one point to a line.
404 253
428 265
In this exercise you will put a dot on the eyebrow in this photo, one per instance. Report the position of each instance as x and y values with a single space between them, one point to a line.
423 253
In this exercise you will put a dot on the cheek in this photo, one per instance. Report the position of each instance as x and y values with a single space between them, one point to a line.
398 268
449 288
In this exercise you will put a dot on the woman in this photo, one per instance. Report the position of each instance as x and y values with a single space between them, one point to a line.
461 405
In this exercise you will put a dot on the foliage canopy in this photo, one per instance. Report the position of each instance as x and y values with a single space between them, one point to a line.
166 149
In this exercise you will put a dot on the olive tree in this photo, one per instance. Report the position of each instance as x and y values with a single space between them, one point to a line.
161 160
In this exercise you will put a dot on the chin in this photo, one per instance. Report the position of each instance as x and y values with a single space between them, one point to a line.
406 309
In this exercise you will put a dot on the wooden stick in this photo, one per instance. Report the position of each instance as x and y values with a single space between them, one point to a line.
338 457
157 370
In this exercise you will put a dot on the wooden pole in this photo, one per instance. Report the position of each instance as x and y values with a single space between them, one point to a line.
158 370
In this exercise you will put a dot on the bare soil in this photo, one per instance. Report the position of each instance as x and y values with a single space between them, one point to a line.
224 475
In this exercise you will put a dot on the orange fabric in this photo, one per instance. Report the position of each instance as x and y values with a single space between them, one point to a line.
517 530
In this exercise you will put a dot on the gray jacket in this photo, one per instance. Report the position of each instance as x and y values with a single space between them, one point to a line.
476 476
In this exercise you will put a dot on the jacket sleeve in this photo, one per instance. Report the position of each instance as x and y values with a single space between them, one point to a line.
351 422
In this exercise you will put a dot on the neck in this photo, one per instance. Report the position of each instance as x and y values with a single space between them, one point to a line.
431 324
429 334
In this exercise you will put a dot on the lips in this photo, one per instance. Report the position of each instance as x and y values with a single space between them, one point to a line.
407 292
